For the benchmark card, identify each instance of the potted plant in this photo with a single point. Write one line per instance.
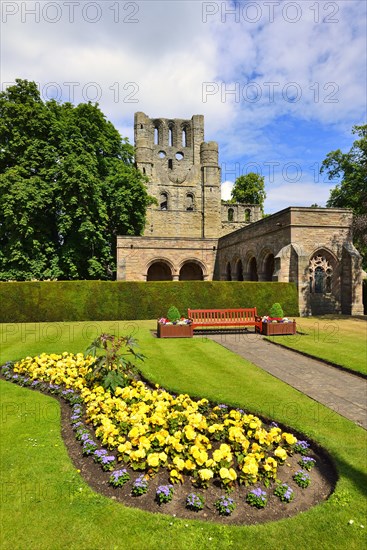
(275, 324)
(174, 325)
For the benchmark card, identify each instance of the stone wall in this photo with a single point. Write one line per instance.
(286, 242)
(184, 176)
(136, 255)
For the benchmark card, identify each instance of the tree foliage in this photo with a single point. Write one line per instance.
(249, 189)
(351, 192)
(68, 187)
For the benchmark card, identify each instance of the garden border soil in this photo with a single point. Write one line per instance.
(323, 481)
(323, 477)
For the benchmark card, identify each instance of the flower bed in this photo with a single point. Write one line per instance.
(149, 431)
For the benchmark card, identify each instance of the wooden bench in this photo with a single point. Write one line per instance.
(224, 317)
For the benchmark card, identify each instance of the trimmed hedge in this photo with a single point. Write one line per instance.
(112, 300)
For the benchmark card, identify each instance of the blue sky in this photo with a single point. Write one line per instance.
(280, 83)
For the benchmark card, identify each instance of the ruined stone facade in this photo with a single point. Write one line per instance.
(191, 234)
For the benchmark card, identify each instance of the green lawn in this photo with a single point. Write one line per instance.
(46, 505)
(342, 341)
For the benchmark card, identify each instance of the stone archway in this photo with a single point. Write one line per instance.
(228, 272)
(269, 267)
(239, 271)
(253, 269)
(191, 271)
(159, 271)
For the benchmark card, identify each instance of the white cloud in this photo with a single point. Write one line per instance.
(295, 194)
(160, 65)
(226, 190)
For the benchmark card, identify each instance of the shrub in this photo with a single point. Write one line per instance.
(276, 310)
(110, 300)
(173, 314)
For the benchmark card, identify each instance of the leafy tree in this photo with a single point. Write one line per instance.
(249, 189)
(351, 192)
(68, 187)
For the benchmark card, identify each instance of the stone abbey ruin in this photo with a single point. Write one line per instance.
(191, 234)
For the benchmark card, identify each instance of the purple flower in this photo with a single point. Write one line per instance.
(119, 478)
(140, 486)
(164, 493)
(194, 502)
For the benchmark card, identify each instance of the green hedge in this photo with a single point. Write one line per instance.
(102, 300)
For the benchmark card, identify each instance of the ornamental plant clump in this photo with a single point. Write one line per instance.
(118, 478)
(195, 502)
(302, 479)
(276, 311)
(173, 315)
(112, 366)
(89, 446)
(164, 494)
(257, 498)
(108, 463)
(140, 486)
(225, 505)
(302, 447)
(307, 462)
(284, 492)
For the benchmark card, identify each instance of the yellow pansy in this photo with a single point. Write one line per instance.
(280, 453)
(205, 474)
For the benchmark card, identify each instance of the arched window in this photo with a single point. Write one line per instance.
(163, 201)
(320, 274)
(170, 136)
(230, 214)
(247, 215)
(184, 138)
(189, 201)
(170, 164)
(156, 135)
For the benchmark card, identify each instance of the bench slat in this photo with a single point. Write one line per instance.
(224, 317)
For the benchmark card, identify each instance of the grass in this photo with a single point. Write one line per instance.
(342, 341)
(45, 503)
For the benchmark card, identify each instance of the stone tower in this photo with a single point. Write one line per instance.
(184, 176)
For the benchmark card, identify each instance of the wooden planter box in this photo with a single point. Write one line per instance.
(174, 331)
(278, 329)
